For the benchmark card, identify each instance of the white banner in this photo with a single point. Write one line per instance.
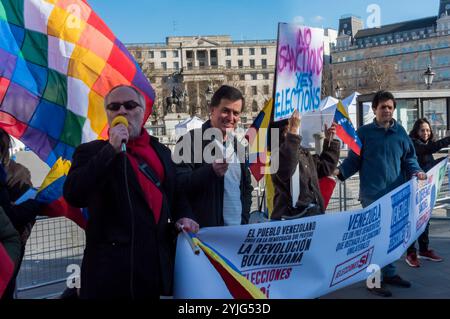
(299, 70)
(309, 257)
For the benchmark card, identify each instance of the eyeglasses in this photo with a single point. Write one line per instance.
(129, 105)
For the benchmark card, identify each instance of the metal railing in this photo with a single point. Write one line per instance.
(54, 244)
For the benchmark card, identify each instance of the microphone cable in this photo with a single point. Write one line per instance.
(130, 205)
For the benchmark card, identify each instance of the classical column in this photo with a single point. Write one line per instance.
(198, 107)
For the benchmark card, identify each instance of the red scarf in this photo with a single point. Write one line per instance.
(139, 150)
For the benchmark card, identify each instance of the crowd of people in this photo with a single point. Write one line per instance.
(139, 196)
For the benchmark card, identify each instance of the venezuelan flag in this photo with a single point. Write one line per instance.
(345, 130)
(259, 151)
(239, 286)
(257, 136)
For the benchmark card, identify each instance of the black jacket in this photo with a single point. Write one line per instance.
(204, 188)
(312, 168)
(424, 151)
(22, 214)
(9, 237)
(97, 181)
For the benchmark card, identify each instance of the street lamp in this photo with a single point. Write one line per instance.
(429, 77)
(338, 91)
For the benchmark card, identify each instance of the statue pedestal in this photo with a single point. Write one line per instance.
(319, 139)
(171, 120)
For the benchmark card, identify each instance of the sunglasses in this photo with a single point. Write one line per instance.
(129, 105)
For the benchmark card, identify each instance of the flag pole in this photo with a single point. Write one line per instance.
(194, 246)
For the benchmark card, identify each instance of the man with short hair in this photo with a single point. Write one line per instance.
(219, 190)
(387, 160)
(131, 199)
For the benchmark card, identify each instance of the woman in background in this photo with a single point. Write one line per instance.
(425, 145)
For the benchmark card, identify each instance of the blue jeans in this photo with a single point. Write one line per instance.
(388, 270)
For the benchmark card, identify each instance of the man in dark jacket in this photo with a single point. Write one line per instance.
(219, 188)
(387, 161)
(311, 168)
(131, 199)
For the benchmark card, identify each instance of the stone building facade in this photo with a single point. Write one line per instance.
(393, 56)
(187, 67)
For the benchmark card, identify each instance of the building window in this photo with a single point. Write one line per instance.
(263, 51)
(228, 63)
(240, 64)
(163, 54)
(255, 106)
(254, 76)
(164, 65)
(264, 63)
(138, 54)
(190, 65)
(176, 65)
(252, 63)
(189, 54)
(242, 77)
(240, 51)
(254, 90)
(151, 54)
(201, 54)
(252, 51)
(228, 52)
(151, 66)
(266, 89)
(175, 53)
(407, 112)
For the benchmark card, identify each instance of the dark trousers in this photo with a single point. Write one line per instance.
(423, 242)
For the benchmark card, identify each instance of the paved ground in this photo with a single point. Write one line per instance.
(430, 281)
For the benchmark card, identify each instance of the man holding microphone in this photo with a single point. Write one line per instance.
(128, 185)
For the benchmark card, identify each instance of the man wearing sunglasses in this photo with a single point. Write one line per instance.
(131, 199)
